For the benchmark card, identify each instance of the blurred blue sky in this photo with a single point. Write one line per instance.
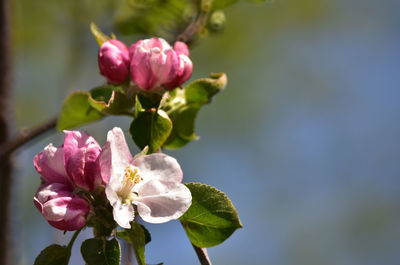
(304, 140)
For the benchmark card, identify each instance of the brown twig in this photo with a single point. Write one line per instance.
(202, 254)
(200, 20)
(26, 136)
(5, 162)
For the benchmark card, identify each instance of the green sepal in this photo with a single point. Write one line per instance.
(98, 34)
(183, 105)
(101, 252)
(150, 128)
(144, 152)
(53, 255)
(101, 215)
(110, 99)
(211, 218)
(77, 111)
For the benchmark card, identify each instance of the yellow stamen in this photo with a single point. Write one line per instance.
(131, 178)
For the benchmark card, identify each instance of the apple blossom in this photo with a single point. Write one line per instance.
(75, 163)
(113, 61)
(60, 207)
(155, 63)
(151, 182)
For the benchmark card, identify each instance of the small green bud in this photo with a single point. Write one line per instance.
(217, 21)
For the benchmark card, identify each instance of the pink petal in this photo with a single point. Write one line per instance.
(140, 70)
(123, 50)
(114, 61)
(80, 156)
(50, 164)
(152, 62)
(115, 157)
(159, 166)
(155, 42)
(160, 64)
(66, 213)
(183, 73)
(70, 225)
(50, 191)
(181, 48)
(160, 201)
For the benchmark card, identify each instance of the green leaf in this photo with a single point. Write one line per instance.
(110, 99)
(183, 105)
(101, 252)
(125, 235)
(174, 141)
(136, 236)
(98, 34)
(77, 111)
(211, 218)
(183, 122)
(53, 255)
(201, 91)
(151, 127)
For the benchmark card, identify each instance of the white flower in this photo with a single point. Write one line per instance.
(151, 182)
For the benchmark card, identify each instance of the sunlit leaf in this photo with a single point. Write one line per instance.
(184, 104)
(150, 128)
(110, 99)
(77, 111)
(211, 218)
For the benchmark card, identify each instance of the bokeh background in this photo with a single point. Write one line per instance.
(304, 140)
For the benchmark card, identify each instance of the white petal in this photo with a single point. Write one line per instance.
(160, 201)
(115, 157)
(159, 166)
(111, 194)
(123, 214)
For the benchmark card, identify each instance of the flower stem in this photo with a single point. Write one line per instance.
(202, 255)
(71, 242)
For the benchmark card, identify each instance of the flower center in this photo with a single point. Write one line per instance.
(131, 178)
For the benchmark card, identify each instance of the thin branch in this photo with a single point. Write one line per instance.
(5, 162)
(202, 254)
(26, 136)
(189, 34)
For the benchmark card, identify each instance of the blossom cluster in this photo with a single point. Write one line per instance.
(151, 64)
(149, 184)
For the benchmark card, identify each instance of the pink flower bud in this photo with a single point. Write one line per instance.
(60, 207)
(75, 163)
(80, 159)
(183, 73)
(154, 63)
(181, 48)
(114, 61)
